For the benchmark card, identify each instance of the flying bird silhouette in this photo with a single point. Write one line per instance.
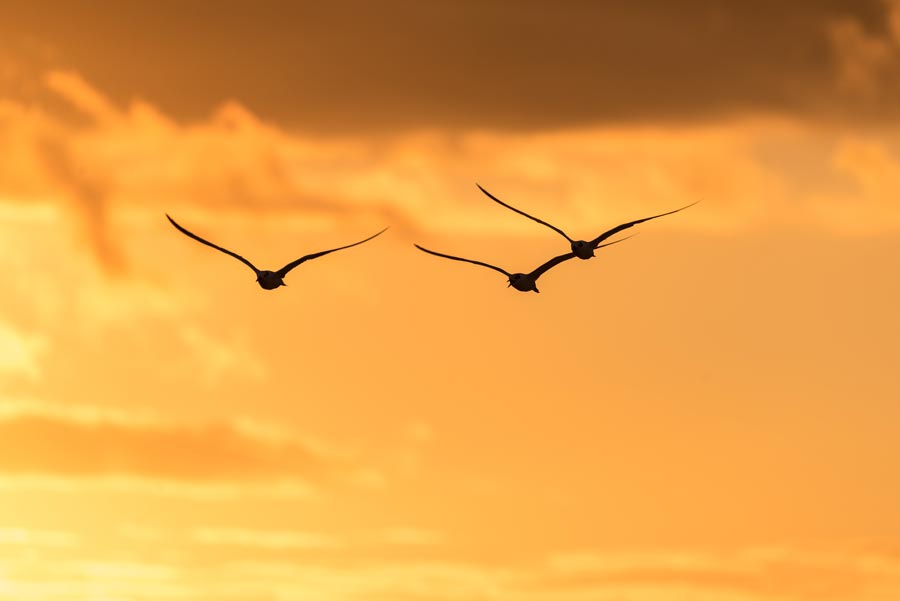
(267, 280)
(583, 249)
(524, 282)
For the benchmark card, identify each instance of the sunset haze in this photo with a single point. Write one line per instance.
(709, 411)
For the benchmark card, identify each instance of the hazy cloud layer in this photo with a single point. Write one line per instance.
(352, 65)
(778, 574)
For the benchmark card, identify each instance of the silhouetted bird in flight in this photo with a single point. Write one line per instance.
(268, 280)
(524, 282)
(583, 249)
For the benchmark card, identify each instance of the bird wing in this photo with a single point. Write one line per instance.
(498, 201)
(488, 265)
(551, 263)
(625, 226)
(616, 241)
(208, 243)
(284, 270)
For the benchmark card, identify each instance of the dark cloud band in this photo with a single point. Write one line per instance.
(354, 65)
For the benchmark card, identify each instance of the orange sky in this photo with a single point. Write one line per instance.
(706, 412)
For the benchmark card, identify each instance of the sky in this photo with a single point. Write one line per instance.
(706, 412)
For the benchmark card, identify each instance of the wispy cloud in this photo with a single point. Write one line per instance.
(37, 538)
(265, 539)
(19, 351)
(753, 574)
(763, 574)
(219, 357)
(406, 536)
(43, 444)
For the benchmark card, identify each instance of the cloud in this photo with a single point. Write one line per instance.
(219, 357)
(752, 574)
(264, 539)
(37, 538)
(353, 66)
(404, 536)
(872, 166)
(831, 573)
(40, 443)
(135, 163)
(19, 351)
(89, 194)
(744, 575)
(868, 61)
(72, 87)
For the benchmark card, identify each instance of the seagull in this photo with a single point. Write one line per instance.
(523, 282)
(583, 249)
(267, 280)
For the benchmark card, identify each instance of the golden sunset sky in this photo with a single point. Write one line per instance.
(707, 412)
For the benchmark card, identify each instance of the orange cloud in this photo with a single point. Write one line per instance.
(263, 539)
(867, 62)
(748, 575)
(19, 351)
(75, 443)
(830, 573)
(138, 161)
(36, 538)
(751, 574)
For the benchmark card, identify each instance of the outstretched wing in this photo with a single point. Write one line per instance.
(488, 265)
(208, 243)
(284, 270)
(523, 213)
(551, 263)
(625, 226)
(617, 241)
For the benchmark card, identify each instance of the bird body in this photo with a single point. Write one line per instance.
(267, 280)
(523, 282)
(583, 249)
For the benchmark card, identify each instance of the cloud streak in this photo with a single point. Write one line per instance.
(40, 442)
(262, 539)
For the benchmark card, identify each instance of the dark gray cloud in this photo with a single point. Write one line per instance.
(354, 65)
